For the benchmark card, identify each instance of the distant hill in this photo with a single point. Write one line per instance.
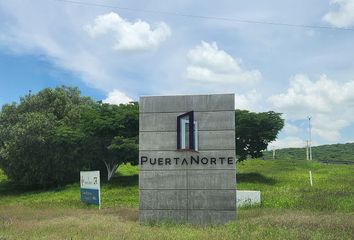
(333, 152)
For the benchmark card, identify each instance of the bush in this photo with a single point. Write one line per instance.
(40, 139)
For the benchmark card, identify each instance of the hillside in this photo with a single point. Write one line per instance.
(334, 152)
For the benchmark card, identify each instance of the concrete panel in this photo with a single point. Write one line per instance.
(212, 200)
(214, 102)
(217, 179)
(210, 217)
(214, 162)
(224, 120)
(162, 180)
(208, 140)
(163, 199)
(217, 140)
(157, 141)
(176, 216)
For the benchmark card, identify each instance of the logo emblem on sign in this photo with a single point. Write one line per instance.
(187, 132)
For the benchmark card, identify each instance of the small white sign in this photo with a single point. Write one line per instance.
(247, 198)
(90, 187)
(90, 179)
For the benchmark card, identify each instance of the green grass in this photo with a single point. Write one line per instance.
(3, 177)
(127, 170)
(290, 209)
(286, 185)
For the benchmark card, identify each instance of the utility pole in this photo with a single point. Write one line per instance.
(307, 149)
(273, 152)
(310, 140)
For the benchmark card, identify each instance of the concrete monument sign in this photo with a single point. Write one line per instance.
(187, 158)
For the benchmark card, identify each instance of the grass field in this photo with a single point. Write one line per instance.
(290, 209)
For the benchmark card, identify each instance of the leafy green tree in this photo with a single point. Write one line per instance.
(111, 136)
(40, 139)
(124, 150)
(254, 131)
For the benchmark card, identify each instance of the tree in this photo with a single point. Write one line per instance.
(124, 150)
(40, 139)
(111, 136)
(254, 131)
(49, 137)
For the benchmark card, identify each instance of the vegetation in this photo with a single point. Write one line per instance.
(325, 153)
(111, 136)
(254, 131)
(290, 209)
(285, 184)
(47, 138)
(39, 138)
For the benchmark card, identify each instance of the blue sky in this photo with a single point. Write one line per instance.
(116, 55)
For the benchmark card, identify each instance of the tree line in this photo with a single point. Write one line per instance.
(48, 138)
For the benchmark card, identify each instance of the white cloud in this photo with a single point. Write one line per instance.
(128, 36)
(75, 57)
(287, 142)
(306, 96)
(290, 129)
(117, 97)
(343, 16)
(329, 103)
(249, 101)
(60, 36)
(209, 64)
(328, 126)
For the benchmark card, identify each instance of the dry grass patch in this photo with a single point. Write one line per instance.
(121, 223)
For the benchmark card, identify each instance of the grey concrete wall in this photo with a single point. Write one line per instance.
(194, 193)
(208, 140)
(167, 121)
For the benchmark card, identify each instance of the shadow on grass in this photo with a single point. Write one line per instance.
(254, 177)
(9, 188)
(124, 181)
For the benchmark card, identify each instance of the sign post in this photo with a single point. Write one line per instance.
(90, 187)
